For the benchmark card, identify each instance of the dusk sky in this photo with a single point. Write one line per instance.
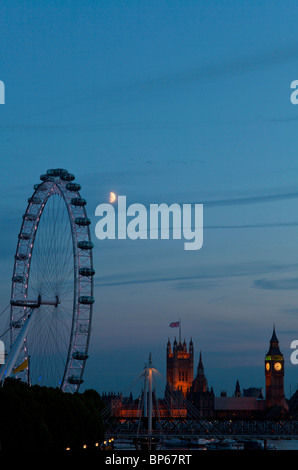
(174, 102)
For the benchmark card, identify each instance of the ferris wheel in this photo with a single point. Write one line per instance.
(52, 286)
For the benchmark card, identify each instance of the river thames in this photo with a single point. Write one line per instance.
(271, 444)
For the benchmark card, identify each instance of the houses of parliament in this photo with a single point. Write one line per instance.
(190, 383)
(247, 403)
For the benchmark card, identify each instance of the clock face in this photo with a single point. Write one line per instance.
(277, 366)
(267, 366)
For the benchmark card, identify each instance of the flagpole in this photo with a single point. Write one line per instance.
(179, 331)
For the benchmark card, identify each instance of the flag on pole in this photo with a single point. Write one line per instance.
(21, 367)
(175, 324)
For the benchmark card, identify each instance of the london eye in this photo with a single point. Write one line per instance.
(52, 287)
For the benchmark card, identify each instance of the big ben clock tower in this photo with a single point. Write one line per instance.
(274, 374)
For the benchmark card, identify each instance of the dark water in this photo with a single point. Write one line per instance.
(282, 444)
(272, 444)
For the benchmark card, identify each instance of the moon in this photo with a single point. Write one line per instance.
(113, 197)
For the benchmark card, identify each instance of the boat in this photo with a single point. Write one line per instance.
(147, 443)
(224, 444)
(123, 444)
(250, 444)
(199, 443)
(175, 443)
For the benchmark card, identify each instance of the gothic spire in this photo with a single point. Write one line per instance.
(274, 345)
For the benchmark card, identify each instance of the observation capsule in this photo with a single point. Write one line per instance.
(82, 221)
(73, 187)
(56, 171)
(19, 279)
(74, 380)
(21, 256)
(34, 200)
(30, 217)
(86, 271)
(85, 245)
(86, 299)
(80, 356)
(24, 236)
(45, 177)
(78, 201)
(67, 176)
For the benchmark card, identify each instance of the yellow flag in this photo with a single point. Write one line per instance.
(21, 367)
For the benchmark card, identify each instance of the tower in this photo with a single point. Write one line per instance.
(199, 394)
(237, 392)
(180, 366)
(274, 374)
(200, 382)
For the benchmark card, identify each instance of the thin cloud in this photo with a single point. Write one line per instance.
(292, 311)
(199, 285)
(252, 226)
(115, 94)
(229, 68)
(104, 127)
(258, 199)
(35, 127)
(251, 199)
(285, 119)
(215, 273)
(276, 284)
